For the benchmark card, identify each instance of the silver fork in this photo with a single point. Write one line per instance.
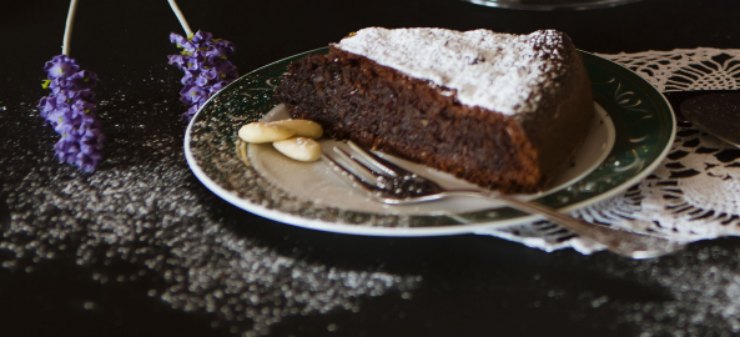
(394, 185)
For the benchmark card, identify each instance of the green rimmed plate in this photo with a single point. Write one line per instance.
(632, 134)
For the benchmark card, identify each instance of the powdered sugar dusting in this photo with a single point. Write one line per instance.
(144, 210)
(501, 72)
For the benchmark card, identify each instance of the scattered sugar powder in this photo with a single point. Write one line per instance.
(704, 286)
(142, 208)
(689, 294)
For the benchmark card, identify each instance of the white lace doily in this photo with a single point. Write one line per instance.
(694, 194)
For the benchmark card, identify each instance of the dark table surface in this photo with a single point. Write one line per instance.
(141, 248)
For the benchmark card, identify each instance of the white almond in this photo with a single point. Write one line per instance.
(299, 148)
(259, 132)
(301, 127)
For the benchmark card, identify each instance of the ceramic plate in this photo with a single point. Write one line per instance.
(632, 132)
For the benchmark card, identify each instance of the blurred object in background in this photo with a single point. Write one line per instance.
(547, 5)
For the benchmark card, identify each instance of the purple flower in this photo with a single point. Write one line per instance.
(70, 110)
(205, 65)
(193, 94)
(60, 67)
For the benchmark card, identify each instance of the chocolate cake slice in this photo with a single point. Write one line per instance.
(499, 110)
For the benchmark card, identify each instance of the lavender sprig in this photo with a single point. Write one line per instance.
(70, 109)
(205, 63)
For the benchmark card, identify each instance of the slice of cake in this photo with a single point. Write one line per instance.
(499, 110)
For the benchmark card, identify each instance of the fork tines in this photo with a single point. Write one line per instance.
(388, 168)
(348, 163)
(363, 167)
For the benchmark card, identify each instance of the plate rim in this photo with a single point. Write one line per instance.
(295, 220)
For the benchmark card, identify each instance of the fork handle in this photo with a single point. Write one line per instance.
(623, 242)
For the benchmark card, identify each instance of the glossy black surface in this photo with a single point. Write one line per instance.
(470, 285)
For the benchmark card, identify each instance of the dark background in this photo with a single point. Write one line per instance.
(473, 286)
(119, 38)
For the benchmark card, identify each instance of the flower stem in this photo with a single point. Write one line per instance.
(68, 27)
(181, 18)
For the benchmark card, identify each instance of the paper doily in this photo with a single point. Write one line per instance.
(694, 194)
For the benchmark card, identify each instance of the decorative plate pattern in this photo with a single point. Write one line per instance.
(642, 119)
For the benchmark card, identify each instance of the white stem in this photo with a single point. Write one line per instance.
(181, 18)
(68, 27)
